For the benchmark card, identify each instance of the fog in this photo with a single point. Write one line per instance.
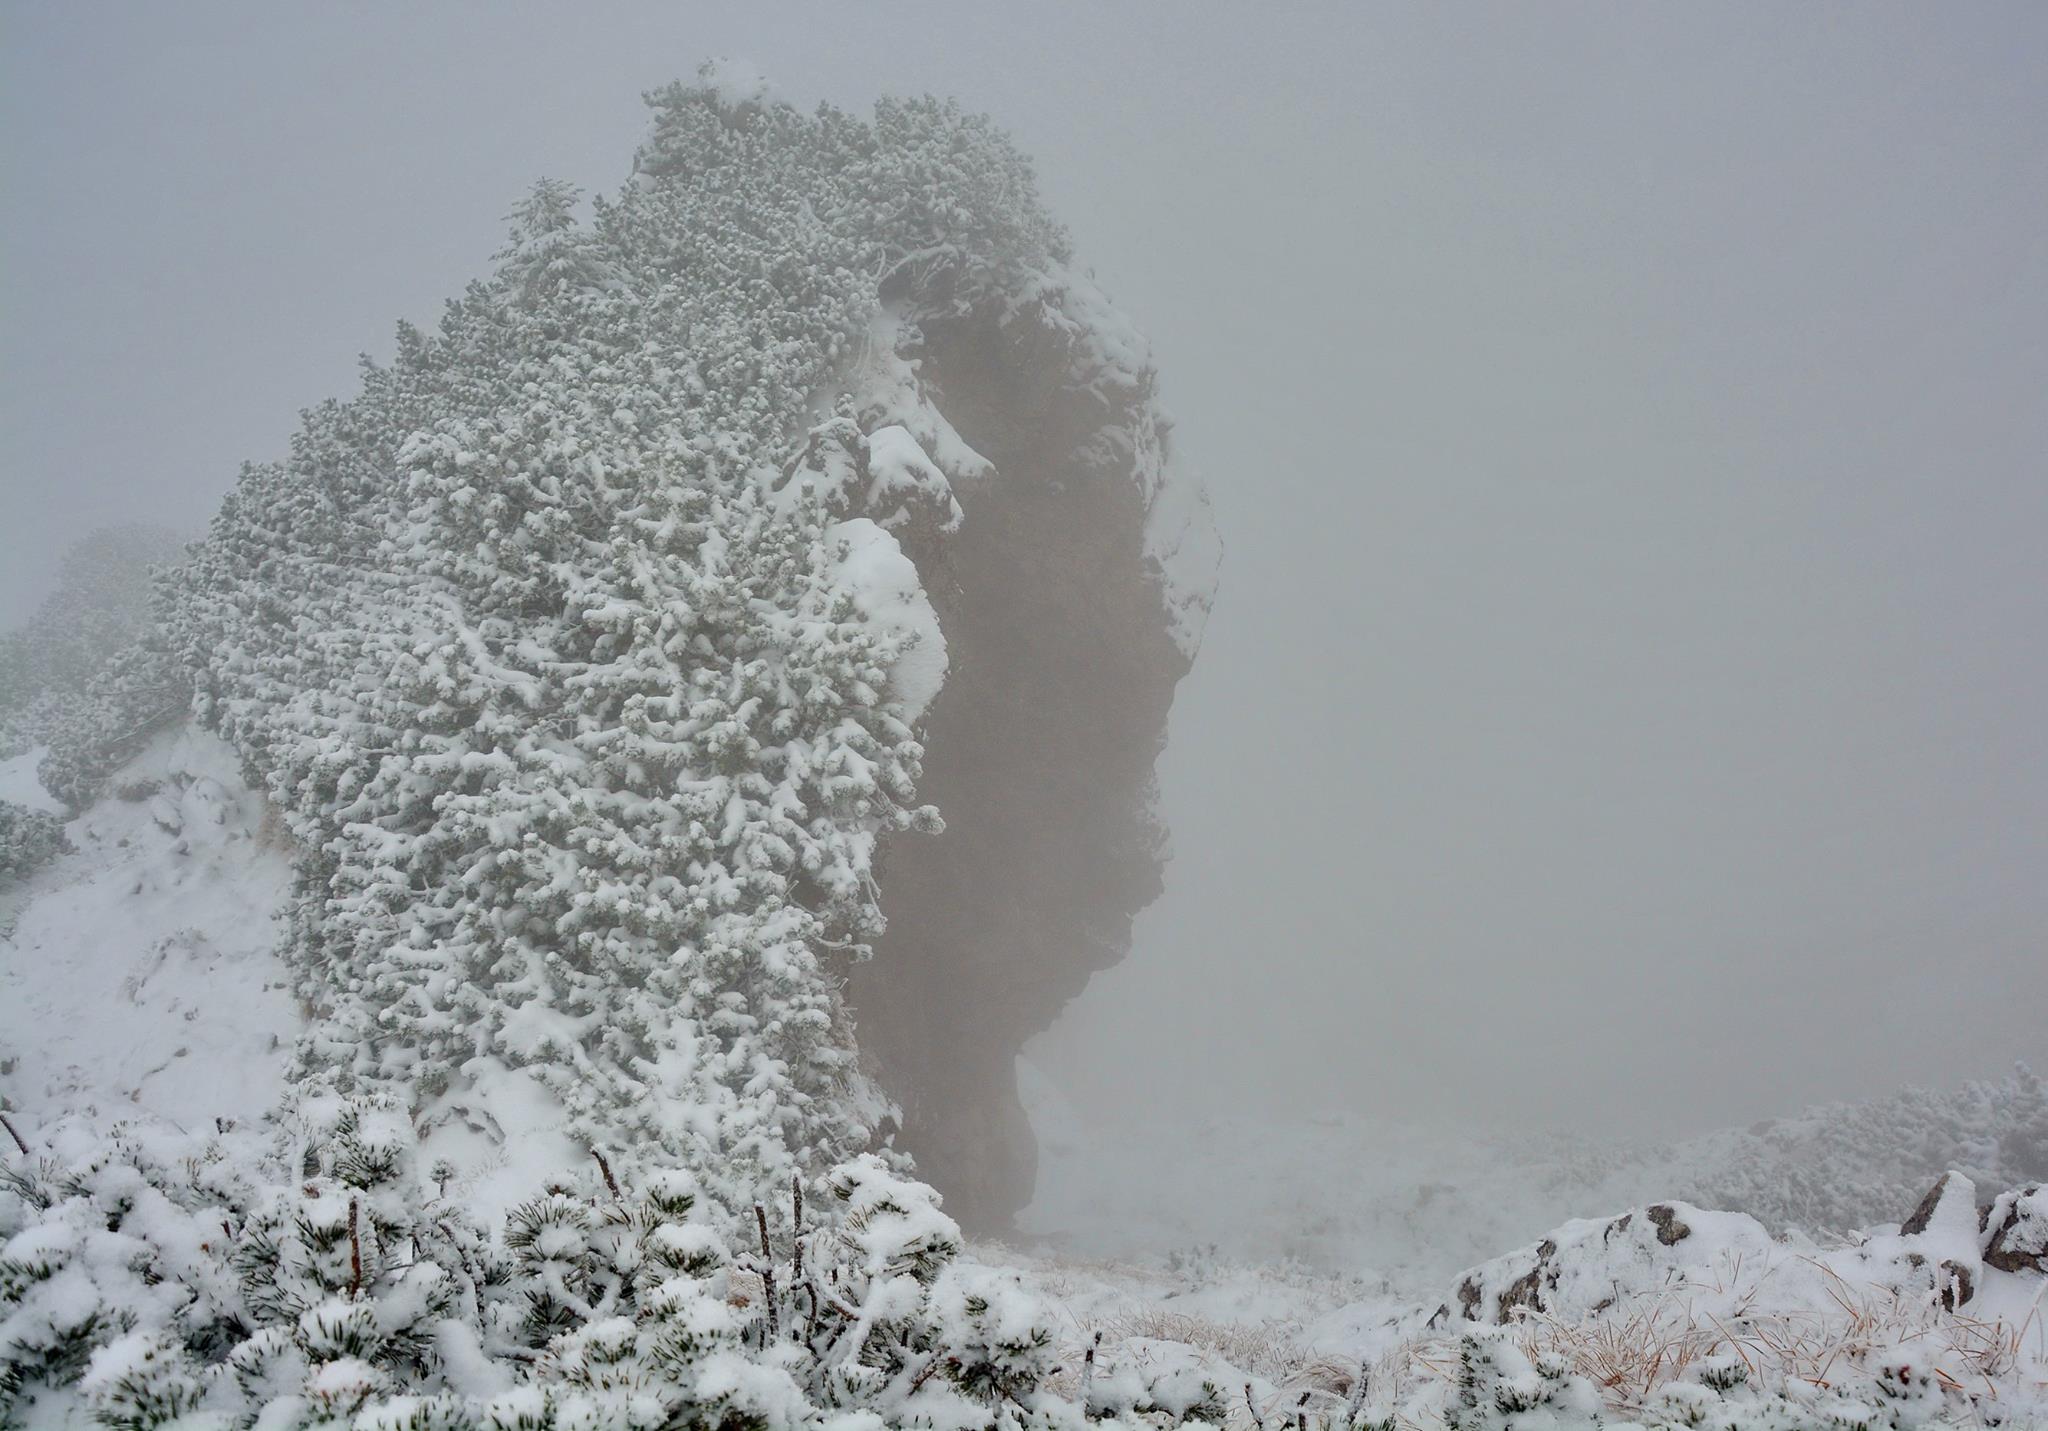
(1624, 706)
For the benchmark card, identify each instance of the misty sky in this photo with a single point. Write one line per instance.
(1626, 703)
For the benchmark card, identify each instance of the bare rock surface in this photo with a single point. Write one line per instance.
(1070, 596)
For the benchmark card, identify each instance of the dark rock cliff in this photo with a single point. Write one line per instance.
(1069, 597)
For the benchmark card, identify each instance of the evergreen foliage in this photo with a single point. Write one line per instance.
(87, 676)
(191, 1280)
(185, 1282)
(555, 670)
(29, 839)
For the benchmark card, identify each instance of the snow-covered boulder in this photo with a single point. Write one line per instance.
(2015, 1230)
(1942, 1233)
(1586, 1266)
(1589, 1268)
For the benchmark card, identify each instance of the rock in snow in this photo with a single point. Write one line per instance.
(2016, 1231)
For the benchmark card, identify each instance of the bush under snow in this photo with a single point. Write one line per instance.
(172, 1277)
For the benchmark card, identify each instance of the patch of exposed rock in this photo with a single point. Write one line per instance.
(1071, 595)
(2015, 1229)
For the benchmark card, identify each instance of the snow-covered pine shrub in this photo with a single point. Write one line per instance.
(167, 1278)
(2022, 1112)
(1500, 1387)
(125, 1236)
(1168, 1381)
(19, 686)
(140, 1381)
(29, 839)
(81, 676)
(136, 692)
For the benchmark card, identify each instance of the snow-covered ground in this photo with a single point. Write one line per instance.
(1398, 1204)
(1639, 1315)
(1291, 1255)
(140, 973)
(1269, 1261)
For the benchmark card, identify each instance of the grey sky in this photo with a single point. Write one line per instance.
(1626, 702)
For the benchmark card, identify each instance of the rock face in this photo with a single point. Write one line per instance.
(1071, 597)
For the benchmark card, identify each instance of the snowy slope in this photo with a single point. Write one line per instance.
(1666, 1316)
(140, 978)
(139, 974)
(1399, 1203)
(19, 786)
(1411, 1204)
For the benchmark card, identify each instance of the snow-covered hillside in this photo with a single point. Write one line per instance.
(1663, 1316)
(1299, 1262)
(1407, 1204)
(141, 972)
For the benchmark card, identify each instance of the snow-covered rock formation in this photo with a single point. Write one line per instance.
(613, 660)
(567, 691)
(572, 703)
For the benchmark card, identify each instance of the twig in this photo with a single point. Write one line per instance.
(768, 1275)
(606, 1168)
(355, 1250)
(1354, 1408)
(14, 1135)
(796, 1236)
(1253, 1407)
